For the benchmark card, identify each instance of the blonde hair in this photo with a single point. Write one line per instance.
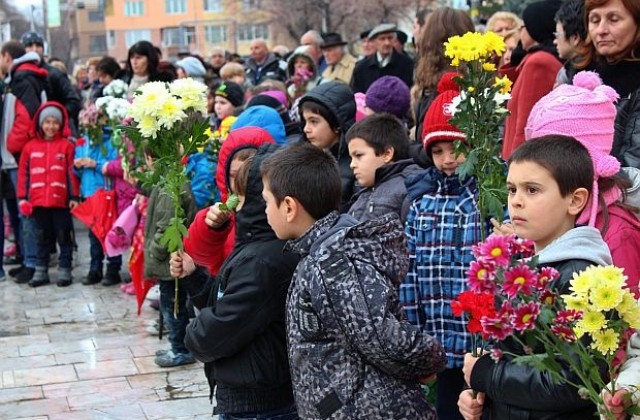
(231, 69)
(515, 21)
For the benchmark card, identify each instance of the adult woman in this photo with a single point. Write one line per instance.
(142, 65)
(441, 24)
(503, 22)
(612, 49)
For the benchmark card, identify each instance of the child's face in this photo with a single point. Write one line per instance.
(275, 214)
(223, 107)
(444, 157)
(537, 209)
(234, 167)
(50, 127)
(318, 130)
(104, 78)
(301, 64)
(364, 161)
(211, 103)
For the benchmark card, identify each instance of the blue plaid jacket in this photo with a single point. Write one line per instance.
(442, 225)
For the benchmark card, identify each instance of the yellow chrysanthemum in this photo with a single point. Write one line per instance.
(632, 316)
(592, 321)
(504, 83)
(579, 303)
(606, 296)
(494, 43)
(582, 282)
(628, 302)
(489, 67)
(170, 113)
(148, 126)
(612, 275)
(606, 342)
(578, 331)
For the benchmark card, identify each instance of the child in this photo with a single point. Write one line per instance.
(327, 112)
(233, 72)
(240, 331)
(350, 353)
(388, 94)
(156, 266)
(228, 97)
(549, 182)
(302, 72)
(379, 150)
(627, 381)
(442, 225)
(47, 189)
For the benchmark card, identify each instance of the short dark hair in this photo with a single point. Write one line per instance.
(14, 48)
(571, 16)
(317, 108)
(381, 131)
(306, 173)
(108, 65)
(564, 157)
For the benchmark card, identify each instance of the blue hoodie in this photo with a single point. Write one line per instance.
(264, 117)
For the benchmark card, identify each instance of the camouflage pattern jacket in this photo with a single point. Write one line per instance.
(351, 354)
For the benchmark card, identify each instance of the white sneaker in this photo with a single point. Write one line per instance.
(154, 293)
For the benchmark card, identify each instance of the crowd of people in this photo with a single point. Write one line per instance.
(326, 293)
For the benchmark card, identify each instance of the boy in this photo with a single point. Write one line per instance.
(442, 225)
(379, 150)
(350, 354)
(550, 180)
(228, 97)
(47, 190)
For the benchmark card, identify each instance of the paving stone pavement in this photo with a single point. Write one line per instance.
(81, 352)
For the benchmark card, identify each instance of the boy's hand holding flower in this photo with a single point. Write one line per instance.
(471, 405)
(181, 264)
(216, 217)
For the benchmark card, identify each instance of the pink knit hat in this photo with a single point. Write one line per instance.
(586, 111)
(361, 100)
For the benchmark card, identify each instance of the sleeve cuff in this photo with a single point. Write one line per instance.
(482, 373)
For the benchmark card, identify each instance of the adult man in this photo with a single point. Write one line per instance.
(314, 41)
(366, 46)
(60, 89)
(384, 62)
(218, 59)
(27, 87)
(340, 64)
(264, 65)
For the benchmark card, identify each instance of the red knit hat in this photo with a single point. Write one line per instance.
(436, 126)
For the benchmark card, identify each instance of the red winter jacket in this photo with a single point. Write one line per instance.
(210, 247)
(45, 171)
(536, 77)
(622, 237)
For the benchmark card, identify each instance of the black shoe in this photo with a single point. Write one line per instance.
(14, 271)
(111, 277)
(38, 283)
(25, 275)
(13, 260)
(92, 278)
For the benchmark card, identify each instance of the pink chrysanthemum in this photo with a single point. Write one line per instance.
(523, 247)
(564, 317)
(526, 315)
(506, 309)
(498, 328)
(518, 279)
(564, 333)
(494, 249)
(481, 277)
(547, 297)
(546, 275)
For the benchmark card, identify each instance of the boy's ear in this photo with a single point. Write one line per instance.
(579, 200)
(291, 208)
(388, 154)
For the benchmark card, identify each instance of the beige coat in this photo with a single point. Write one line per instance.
(341, 71)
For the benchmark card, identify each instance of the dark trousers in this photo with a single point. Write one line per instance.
(449, 386)
(177, 326)
(97, 256)
(283, 413)
(51, 225)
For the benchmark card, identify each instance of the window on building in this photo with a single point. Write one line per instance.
(175, 6)
(250, 4)
(248, 32)
(96, 16)
(213, 5)
(111, 39)
(135, 35)
(134, 8)
(215, 34)
(97, 44)
(181, 36)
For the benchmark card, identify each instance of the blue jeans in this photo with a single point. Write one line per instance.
(53, 224)
(283, 413)
(177, 326)
(97, 256)
(27, 240)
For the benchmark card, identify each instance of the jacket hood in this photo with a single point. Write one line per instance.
(404, 167)
(264, 117)
(580, 243)
(379, 242)
(432, 180)
(242, 138)
(31, 61)
(251, 219)
(338, 98)
(302, 51)
(66, 132)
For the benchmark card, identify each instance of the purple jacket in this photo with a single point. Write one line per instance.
(125, 192)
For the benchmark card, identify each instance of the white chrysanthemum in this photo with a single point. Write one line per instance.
(454, 106)
(148, 126)
(501, 98)
(118, 108)
(150, 100)
(192, 94)
(117, 89)
(103, 102)
(170, 113)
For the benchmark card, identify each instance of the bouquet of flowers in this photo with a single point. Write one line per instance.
(583, 329)
(116, 89)
(479, 111)
(168, 121)
(107, 111)
(92, 120)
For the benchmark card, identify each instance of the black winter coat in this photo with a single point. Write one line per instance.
(368, 70)
(338, 98)
(273, 68)
(60, 90)
(240, 332)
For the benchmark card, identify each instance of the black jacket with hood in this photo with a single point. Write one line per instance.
(240, 332)
(339, 100)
